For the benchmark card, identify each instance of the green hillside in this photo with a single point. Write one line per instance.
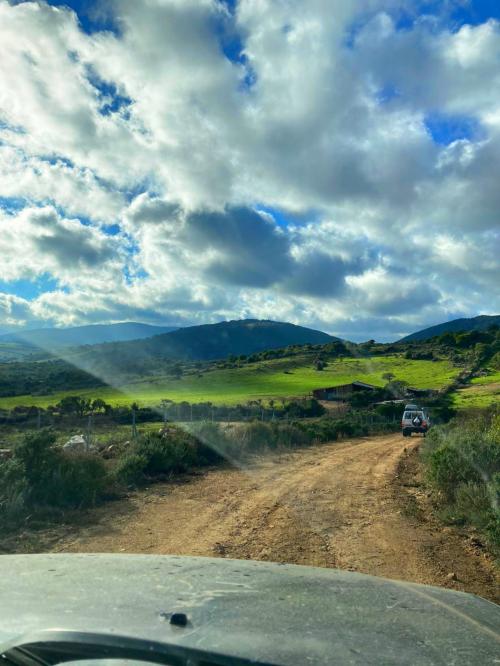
(480, 323)
(273, 379)
(483, 392)
(25, 342)
(202, 343)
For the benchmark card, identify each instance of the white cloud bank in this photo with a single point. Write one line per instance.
(324, 114)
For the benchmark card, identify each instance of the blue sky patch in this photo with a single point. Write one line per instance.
(284, 218)
(475, 12)
(93, 15)
(12, 204)
(387, 93)
(29, 289)
(445, 129)
(111, 229)
(109, 97)
(452, 15)
(232, 45)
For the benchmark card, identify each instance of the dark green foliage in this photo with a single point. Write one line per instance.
(258, 436)
(213, 443)
(43, 377)
(168, 454)
(73, 404)
(41, 475)
(130, 468)
(159, 455)
(463, 466)
(448, 468)
(482, 322)
(309, 407)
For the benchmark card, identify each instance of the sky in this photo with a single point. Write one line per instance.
(325, 162)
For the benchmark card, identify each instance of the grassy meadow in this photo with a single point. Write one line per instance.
(273, 379)
(483, 392)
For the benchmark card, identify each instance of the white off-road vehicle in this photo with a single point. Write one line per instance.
(415, 419)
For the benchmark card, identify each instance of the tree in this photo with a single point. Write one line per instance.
(388, 376)
(98, 405)
(74, 404)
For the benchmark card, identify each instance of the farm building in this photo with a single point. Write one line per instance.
(419, 393)
(341, 392)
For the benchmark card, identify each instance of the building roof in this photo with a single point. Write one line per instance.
(341, 386)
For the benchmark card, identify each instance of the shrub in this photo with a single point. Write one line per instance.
(213, 443)
(130, 468)
(165, 455)
(258, 436)
(290, 436)
(463, 465)
(448, 468)
(41, 475)
(77, 481)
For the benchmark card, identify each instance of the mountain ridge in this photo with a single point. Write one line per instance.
(90, 334)
(479, 323)
(204, 342)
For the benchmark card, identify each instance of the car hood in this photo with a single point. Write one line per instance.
(282, 614)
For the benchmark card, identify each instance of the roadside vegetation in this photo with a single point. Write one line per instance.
(462, 462)
(40, 480)
(274, 379)
(274, 374)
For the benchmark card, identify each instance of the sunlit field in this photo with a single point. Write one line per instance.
(483, 392)
(275, 379)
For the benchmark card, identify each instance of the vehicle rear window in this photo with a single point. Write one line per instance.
(411, 415)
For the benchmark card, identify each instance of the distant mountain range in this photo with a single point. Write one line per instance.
(55, 338)
(479, 323)
(214, 341)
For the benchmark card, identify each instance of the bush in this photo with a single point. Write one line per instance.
(130, 468)
(213, 444)
(169, 454)
(290, 436)
(158, 455)
(448, 468)
(258, 436)
(77, 481)
(463, 465)
(41, 475)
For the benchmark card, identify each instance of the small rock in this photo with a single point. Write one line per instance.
(77, 444)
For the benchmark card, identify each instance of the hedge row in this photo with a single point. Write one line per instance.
(463, 466)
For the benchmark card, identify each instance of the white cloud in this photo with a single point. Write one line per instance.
(38, 241)
(393, 220)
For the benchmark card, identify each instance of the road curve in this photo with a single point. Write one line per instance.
(335, 505)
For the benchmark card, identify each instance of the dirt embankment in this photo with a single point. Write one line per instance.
(356, 505)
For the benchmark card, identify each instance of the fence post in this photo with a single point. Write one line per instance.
(134, 427)
(88, 436)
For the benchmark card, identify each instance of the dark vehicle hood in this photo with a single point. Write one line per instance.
(283, 614)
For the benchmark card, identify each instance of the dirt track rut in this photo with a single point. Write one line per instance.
(337, 505)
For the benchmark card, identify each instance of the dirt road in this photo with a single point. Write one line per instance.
(352, 505)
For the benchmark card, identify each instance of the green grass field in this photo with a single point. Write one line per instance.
(483, 392)
(492, 378)
(274, 379)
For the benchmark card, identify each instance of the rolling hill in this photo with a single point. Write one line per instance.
(55, 338)
(281, 378)
(473, 324)
(199, 343)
